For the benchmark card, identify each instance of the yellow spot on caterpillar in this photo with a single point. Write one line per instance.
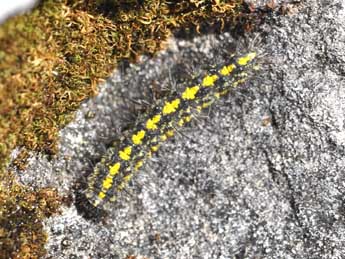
(146, 139)
(190, 92)
(206, 104)
(96, 203)
(137, 138)
(101, 195)
(125, 154)
(121, 186)
(138, 165)
(209, 80)
(246, 59)
(107, 183)
(235, 84)
(169, 133)
(113, 170)
(226, 70)
(154, 148)
(170, 107)
(126, 179)
(151, 124)
(187, 118)
(224, 92)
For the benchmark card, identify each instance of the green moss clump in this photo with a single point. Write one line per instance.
(21, 214)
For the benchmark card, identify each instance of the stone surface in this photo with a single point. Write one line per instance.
(261, 176)
(9, 8)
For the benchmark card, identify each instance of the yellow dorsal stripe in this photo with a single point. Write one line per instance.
(113, 170)
(226, 70)
(101, 195)
(170, 107)
(190, 92)
(137, 138)
(125, 154)
(209, 80)
(151, 124)
(107, 182)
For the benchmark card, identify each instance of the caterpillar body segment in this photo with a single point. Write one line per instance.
(112, 174)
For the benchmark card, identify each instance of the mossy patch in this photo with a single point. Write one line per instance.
(21, 214)
(51, 60)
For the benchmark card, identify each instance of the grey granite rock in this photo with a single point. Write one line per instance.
(262, 176)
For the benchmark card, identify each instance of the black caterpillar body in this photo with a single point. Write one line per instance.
(112, 174)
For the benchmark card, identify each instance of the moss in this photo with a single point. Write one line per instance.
(50, 61)
(21, 214)
(53, 58)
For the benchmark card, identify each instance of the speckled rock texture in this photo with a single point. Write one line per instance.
(261, 175)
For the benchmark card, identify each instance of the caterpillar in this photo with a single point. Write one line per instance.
(117, 167)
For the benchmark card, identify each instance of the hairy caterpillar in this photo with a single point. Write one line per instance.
(111, 175)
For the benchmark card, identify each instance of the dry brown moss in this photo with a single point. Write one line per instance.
(53, 58)
(21, 214)
(50, 61)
